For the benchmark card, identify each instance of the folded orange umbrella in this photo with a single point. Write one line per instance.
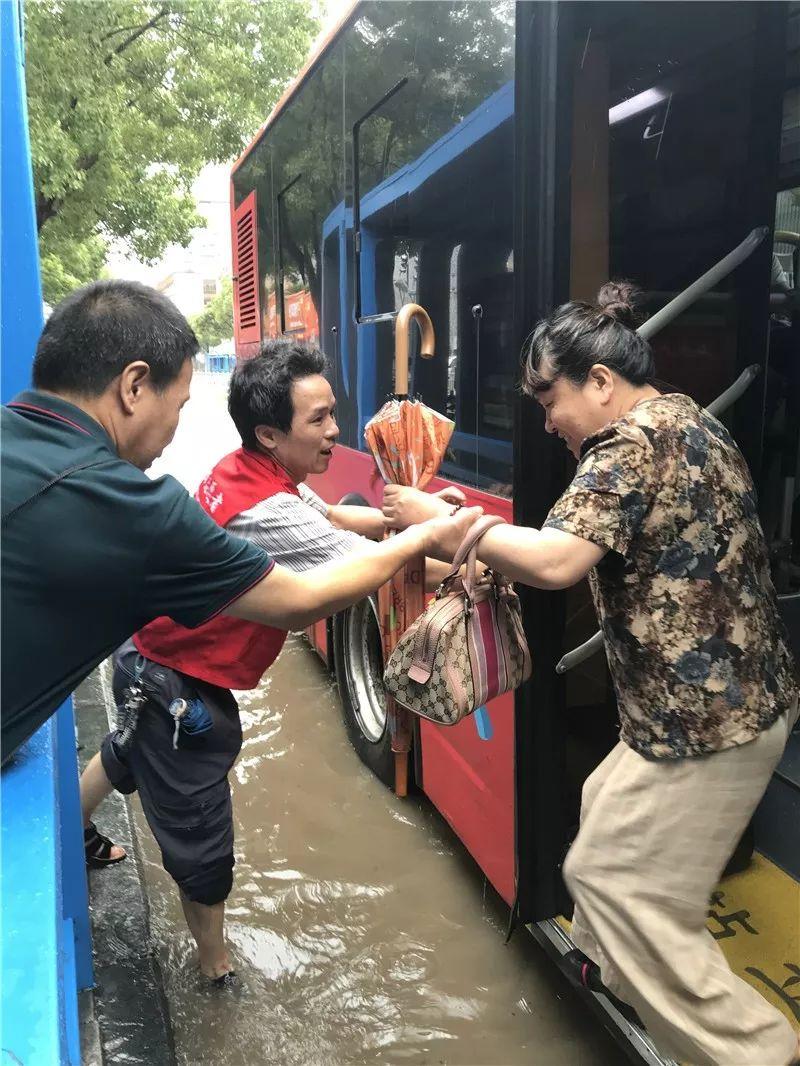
(408, 441)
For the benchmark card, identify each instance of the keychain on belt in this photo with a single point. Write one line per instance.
(190, 715)
(128, 714)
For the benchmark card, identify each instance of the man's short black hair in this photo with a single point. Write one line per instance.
(93, 334)
(260, 391)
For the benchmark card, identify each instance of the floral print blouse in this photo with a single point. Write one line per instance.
(697, 650)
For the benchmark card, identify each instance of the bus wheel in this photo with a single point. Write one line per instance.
(358, 655)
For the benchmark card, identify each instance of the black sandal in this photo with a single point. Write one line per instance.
(98, 848)
(582, 973)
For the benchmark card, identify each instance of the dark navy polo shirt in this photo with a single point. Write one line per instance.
(93, 558)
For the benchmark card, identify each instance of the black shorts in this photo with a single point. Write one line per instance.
(184, 791)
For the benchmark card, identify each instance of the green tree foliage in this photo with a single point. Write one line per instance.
(453, 55)
(215, 322)
(128, 99)
(69, 262)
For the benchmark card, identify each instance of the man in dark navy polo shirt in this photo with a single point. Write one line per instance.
(93, 549)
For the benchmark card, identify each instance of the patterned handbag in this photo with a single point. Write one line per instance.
(468, 645)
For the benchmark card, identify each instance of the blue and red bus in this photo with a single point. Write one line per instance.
(489, 161)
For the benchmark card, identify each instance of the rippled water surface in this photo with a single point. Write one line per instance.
(362, 930)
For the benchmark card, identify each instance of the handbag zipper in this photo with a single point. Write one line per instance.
(428, 637)
(424, 636)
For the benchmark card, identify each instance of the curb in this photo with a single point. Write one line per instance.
(126, 1016)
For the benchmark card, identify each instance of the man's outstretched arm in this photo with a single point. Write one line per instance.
(367, 521)
(289, 600)
(370, 521)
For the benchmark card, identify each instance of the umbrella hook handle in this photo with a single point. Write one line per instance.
(402, 330)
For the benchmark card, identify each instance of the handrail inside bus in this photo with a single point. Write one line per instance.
(729, 397)
(707, 281)
(357, 191)
(723, 401)
(279, 242)
(371, 320)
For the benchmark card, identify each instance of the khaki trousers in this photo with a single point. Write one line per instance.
(654, 839)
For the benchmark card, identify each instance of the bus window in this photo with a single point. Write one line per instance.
(482, 365)
(298, 172)
(453, 57)
(447, 126)
(299, 282)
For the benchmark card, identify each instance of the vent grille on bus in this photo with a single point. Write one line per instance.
(248, 327)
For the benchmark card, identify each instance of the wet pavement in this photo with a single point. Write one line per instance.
(362, 930)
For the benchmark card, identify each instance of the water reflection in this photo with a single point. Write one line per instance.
(360, 929)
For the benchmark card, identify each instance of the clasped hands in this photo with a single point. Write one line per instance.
(404, 506)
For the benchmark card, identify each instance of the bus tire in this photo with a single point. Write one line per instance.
(358, 656)
(358, 662)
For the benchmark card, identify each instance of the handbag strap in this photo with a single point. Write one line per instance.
(470, 541)
(468, 550)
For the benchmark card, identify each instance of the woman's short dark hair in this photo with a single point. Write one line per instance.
(260, 390)
(577, 335)
(93, 334)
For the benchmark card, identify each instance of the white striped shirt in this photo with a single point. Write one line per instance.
(296, 532)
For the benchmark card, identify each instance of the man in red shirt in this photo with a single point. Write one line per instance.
(283, 407)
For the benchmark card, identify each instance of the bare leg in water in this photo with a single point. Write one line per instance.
(207, 923)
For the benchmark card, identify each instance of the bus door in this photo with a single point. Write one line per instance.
(777, 820)
(674, 133)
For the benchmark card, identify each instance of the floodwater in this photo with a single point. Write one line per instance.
(362, 930)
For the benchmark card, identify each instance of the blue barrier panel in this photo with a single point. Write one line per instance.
(33, 1027)
(220, 364)
(45, 955)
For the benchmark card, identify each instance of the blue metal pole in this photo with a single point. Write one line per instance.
(46, 951)
(21, 297)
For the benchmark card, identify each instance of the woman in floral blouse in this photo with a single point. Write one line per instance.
(661, 516)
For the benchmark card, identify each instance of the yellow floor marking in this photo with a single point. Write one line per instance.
(755, 918)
